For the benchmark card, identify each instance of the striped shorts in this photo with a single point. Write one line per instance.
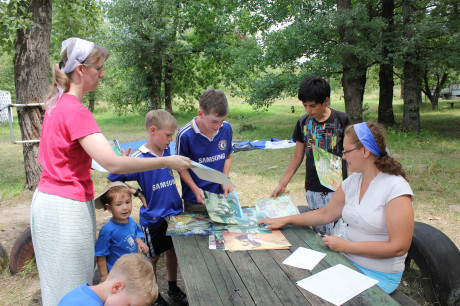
(63, 235)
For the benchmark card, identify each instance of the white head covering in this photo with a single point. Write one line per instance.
(77, 51)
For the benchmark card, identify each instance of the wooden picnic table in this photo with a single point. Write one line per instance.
(216, 277)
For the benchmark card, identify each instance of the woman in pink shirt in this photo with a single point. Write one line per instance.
(62, 212)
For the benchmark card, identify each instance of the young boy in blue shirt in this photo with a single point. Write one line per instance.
(207, 139)
(131, 281)
(121, 235)
(162, 197)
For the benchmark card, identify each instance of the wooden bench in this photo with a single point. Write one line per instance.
(452, 103)
(214, 277)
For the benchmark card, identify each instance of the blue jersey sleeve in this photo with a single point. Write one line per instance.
(123, 177)
(182, 146)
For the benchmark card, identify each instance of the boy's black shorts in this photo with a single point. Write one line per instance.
(156, 239)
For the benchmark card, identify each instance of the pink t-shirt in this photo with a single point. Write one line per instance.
(66, 165)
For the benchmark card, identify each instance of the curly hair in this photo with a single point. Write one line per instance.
(384, 162)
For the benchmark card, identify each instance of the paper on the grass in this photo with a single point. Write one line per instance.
(209, 174)
(337, 284)
(304, 258)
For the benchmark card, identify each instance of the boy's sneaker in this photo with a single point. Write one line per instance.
(178, 296)
(160, 301)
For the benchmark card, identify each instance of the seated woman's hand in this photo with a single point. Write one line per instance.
(272, 223)
(336, 244)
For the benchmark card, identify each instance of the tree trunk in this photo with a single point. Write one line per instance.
(434, 97)
(402, 89)
(31, 75)
(412, 71)
(168, 83)
(386, 81)
(155, 97)
(92, 100)
(354, 71)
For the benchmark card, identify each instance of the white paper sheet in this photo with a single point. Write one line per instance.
(209, 174)
(337, 284)
(304, 258)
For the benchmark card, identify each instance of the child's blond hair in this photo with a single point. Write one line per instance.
(136, 271)
(160, 118)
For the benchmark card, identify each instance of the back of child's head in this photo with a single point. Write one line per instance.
(314, 89)
(214, 101)
(160, 118)
(113, 192)
(136, 271)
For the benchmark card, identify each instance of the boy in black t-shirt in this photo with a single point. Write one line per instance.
(323, 127)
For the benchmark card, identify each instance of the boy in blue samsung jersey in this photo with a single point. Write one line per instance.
(162, 198)
(207, 139)
(121, 235)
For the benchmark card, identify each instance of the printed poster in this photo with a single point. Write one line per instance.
(329, 168)
(223, 209)
(255, 241)
(189, 224)
(281, 206)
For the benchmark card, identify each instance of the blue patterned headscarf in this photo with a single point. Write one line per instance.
(366, 138)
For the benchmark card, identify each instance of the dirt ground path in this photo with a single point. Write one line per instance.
(24, 288)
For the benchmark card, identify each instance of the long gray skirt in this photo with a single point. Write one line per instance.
(64, 235)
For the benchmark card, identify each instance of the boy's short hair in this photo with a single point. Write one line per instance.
(214, 101)
(160, 118)
(314, 89)
(109, 192)
(136, 271)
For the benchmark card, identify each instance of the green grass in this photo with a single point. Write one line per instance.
(430, 157)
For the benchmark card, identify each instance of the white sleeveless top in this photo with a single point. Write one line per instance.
(366, 221)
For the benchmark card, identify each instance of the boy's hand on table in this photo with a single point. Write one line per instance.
(278, 190)
(199, 195)
(227, 190)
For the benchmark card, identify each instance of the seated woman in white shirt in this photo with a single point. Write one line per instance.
(375, 202)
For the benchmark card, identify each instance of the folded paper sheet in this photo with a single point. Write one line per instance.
(304, 258)
(209, 174)
(337, 284)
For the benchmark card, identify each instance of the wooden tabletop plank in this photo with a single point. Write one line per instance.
(255, 282)
(228, 283)
(296, 274)
(372, 296)
(197, 278)
(215, 277)
(288, 292)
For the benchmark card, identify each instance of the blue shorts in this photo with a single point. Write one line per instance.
(156, 239)
(389, 282)
(317, 200)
